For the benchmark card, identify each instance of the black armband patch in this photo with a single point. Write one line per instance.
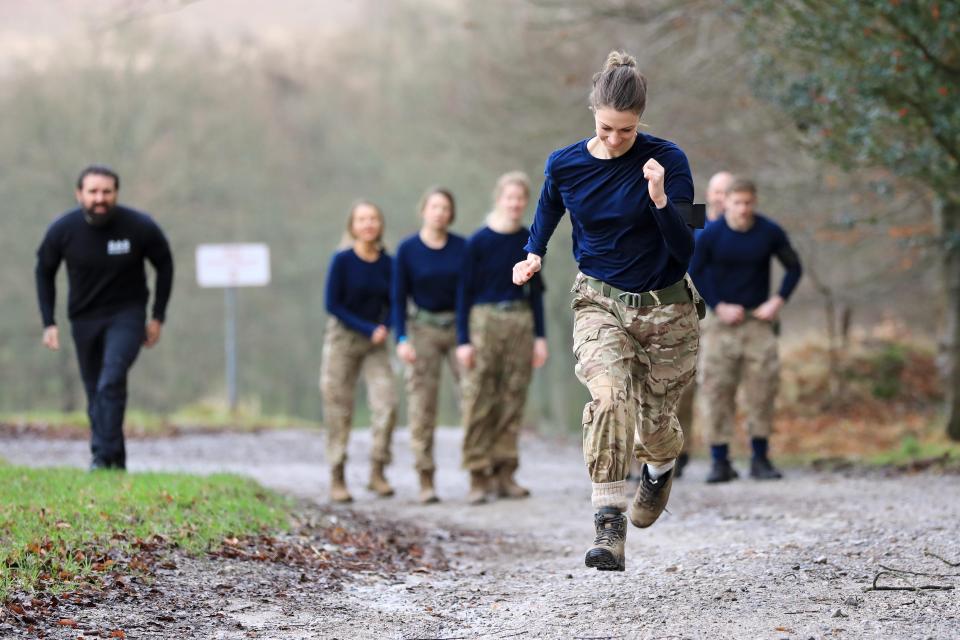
(695, 215)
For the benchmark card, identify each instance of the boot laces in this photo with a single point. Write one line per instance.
(611, 533)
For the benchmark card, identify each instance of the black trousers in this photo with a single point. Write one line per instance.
(107, 347)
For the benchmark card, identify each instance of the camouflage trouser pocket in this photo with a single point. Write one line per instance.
(587, 418)
(581, 339)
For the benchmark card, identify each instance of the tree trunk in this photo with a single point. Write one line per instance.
(948, 219)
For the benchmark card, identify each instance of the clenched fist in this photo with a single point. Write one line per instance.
(653, 173)
(523, 271)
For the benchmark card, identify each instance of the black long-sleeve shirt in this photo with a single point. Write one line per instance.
(105, 264)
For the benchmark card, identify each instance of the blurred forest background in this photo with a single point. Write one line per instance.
(239, 120)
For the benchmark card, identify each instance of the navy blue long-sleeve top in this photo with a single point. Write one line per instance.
(358, 292)
(105, 264)
(429, 276)
(487, 277)
(736, 264)
(619, 235)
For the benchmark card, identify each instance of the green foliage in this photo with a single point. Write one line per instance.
(913, 449)
(887, 366)
(874, 82)
(54, 523)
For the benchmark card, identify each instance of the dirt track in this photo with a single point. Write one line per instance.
(745, 560)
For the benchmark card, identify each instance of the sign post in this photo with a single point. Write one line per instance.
(229, 266)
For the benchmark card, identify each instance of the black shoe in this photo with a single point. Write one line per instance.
(722, 471)
(607, 552)
(98, 465)
(682, 461)
(762, 469)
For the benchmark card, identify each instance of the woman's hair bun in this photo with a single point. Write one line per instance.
(619, 59)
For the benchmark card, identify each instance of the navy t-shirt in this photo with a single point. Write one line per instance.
(488, 277)
(429, 276)
(358, 292)
(619, 236)
(735, 265)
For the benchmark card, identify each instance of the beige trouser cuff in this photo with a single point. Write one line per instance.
(610, 494)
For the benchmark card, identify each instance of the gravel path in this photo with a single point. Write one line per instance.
(787, 559)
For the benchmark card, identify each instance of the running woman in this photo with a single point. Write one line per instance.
(635, 329)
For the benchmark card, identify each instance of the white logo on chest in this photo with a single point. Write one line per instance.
(118, 247)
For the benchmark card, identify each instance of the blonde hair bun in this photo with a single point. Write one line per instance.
(619, 59)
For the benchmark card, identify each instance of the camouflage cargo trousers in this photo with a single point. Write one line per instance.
(433, 345)
(635, 361)
(686, 414)
(735, 355)
(345, 354)
(494, 392)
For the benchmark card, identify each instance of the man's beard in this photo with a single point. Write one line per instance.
(99, 219)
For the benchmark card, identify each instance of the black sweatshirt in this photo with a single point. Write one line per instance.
(104, 264)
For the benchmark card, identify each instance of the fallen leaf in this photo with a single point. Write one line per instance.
(117, 633)
(67, 622)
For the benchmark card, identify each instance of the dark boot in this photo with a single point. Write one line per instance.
(607, 553)
(763, 469)
(651, 498)
(722, 471)
(682, 461)
(506, 486)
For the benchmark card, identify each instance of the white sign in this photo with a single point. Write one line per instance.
(233, 265)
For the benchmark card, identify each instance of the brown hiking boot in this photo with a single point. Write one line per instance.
(650, 499)
(378, 482)
(478, 486)
(427, 493)
(338, 486)
(506, 486)
(607, 554)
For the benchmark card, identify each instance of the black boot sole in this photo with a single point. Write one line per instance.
(603, 560)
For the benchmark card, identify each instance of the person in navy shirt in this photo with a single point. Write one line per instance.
(635, 322)
(500, 333)
(358, 301)
(734, 255)
(716, 193)
(426, 275)
(105, 245)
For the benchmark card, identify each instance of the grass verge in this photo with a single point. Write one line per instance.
(62, 528)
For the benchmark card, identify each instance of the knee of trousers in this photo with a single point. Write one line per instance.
(662, 445)
(112, 388)
(610, 401)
